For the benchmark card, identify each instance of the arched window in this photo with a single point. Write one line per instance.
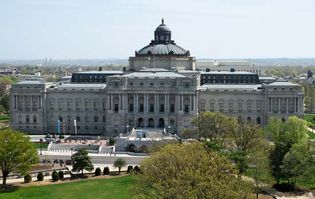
(34, 119)
(27, 119)
(258, 120)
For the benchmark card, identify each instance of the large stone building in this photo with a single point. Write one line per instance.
(163, 92)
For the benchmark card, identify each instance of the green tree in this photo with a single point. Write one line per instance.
(261, 175)
(211, 126)
(17, 153)
(284, 135)
(5, 102)
(189, 171)
(120, 162)
(81, 161)
(297, 161)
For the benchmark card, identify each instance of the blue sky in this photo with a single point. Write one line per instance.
(99, 29)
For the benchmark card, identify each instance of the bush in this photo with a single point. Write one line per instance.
(106, 171)
(27, 178)
(55, 176)
(137, 169)
(129, 169)
(98, 171)
(40, 176)
(60, 175)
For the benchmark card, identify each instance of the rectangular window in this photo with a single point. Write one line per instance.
(249, 107)
(141, 109)
(130, 107)
(86, 105)
(116, 108)
(162, 108)
(172, 108)
(151, 108)
(78, 118)
(202, 107)
(211, 107)
(95, 105)
(221, 107)
(77, 106)
(186, 108)
(231, 107)
(240, 107)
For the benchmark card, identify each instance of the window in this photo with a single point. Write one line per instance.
(230, 107)
(151, 84)
(95, 105)
(202, 107)
(141, 109)
(186, 85)
(27, 119)
(211, 107)
(162, 108)
(78, 118)
(86, 118)
(221, 107)
(86, 105)
(34, 119)
(130, 107)
(77, 105)
(258, 107)
(131, 84)
(240, 107)
(116, 108)
(151, 108)
(249, 107)
(141, 83)
(172, 108)
(186, 108)
(95, 118)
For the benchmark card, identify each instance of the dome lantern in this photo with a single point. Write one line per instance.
(162, 34)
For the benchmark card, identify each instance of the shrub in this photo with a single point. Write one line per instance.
(60, 175)
(40, 176)
(98, 171)
(129, 169)
(55, 176)
(106, 171)
(137, 169)
(27, 178)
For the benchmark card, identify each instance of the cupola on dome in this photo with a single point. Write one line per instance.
(162, 44)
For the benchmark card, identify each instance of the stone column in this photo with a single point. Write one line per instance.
(287, 105)
(279, 100)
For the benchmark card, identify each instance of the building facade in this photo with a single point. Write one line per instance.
(161, 95)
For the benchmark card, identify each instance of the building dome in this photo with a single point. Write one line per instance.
(162, 44)
(163, 49)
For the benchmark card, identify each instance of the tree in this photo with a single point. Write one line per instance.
(245, 138)
(211, 126)
(40, 176)
(17, 153)
(111, 141)
(120, 162)
(297, 161)
(189, 171)
(55, 176)
(81, 161)
(284, 135)
(261, 175)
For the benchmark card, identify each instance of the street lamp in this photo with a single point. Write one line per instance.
(40, 147)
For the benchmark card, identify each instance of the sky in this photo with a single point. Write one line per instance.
(103, 29)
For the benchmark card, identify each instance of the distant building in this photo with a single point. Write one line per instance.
(161, 90)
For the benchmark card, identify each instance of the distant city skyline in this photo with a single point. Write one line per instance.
(95, 29)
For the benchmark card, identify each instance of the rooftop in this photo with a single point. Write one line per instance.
(115, 72)
(229, 72)
(282, 83)
(79, 87)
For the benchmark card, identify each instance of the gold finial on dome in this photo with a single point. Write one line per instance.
(162, 21)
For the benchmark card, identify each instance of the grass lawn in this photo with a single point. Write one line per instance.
(119, 187)
(39, 145)
(4, 117)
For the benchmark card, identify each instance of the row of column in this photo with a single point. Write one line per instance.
(27, 102)
(283, 101)
(179, 102)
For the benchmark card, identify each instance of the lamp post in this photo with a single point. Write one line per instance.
(40, 147)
